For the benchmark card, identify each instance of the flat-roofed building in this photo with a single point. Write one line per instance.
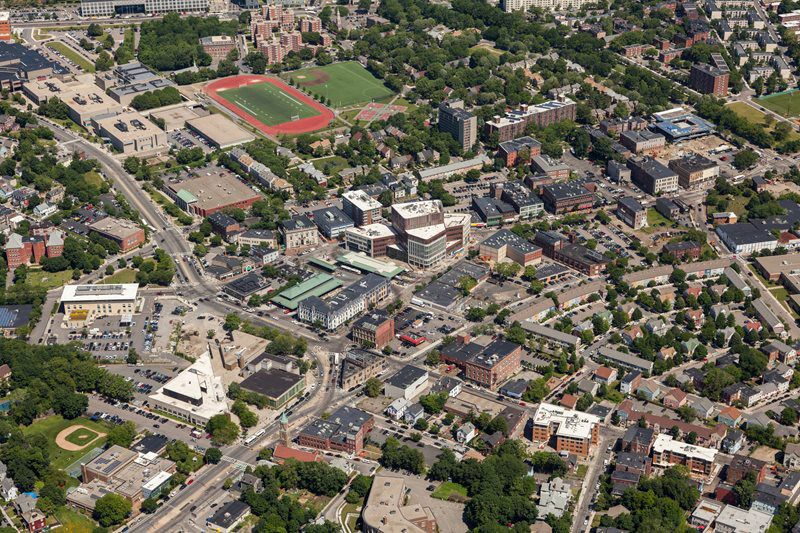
(371, 239)
(358, 366)
(87, 302)
(567, 197)
(638, 141)
(459, 123)
(735, 520)
(494, 364)
(131, 133)
(514, 123)
(110, 8)
(347, 304)
(421, 230)
(522, 148)
(278, 386)
(387, 511)
(774, 266)
(573, 431)
(651, 176)
(697, 459)
(196, 394)
(746, 238)
(5, 26)
(375, 328)
(125, 233)
(361, 207)
(546, 165)
(615, 357)
(211, 191)
(344, 430)
(332, 221)
(551, 336)
(505, 244)
(631, 212)
(219, 131)
(257, 237)
(84, 101)
(218, 46)
(695, 171)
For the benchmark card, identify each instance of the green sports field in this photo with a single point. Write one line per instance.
(267, 103)
(786, 104)
(344, 84)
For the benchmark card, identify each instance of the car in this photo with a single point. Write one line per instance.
(430, 487)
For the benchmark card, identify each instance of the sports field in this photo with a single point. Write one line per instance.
(786, 104)
(268, 103)
(344, 84)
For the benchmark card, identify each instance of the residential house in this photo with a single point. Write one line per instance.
(675, 398)
(730, 416)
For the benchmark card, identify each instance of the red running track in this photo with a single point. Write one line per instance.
(304, 125)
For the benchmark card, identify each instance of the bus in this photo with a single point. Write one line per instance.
(254, 437)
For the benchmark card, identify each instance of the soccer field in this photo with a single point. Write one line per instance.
(786, 104)
(344, 84)
(267, 103)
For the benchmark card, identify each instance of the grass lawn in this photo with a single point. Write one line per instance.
(93, 178)
(490, 49)
(82, 436)
(49, 280)
(582, 469)
(52, 426)
(786, 104)
(755, 116)
(72, 55)
(655, 221)
(74, 522)
(268, 103)
(345, 84)
(331, 165)
(764, 280)
(448, 489)
(125, 275)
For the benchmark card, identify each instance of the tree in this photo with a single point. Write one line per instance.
(149, 506)
(94, 30)
(212, 456)
(744, 489)
(111, 509)
(373, 387)
(433, 358)
(232, 322)
(122, 434)
(104, 61)
(222, 429)
(745, 159)
(133, 357)
(789, 417)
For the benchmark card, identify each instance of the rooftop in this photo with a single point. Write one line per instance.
(665, 442)
(95, 293)
(215, 188)
(570, 423)
(416, 209)
(272, 383)
(220, 130)
(362, 200)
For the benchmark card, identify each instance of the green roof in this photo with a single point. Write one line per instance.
(370, 265)
(186, 196)
(315, 286)
(330, 267)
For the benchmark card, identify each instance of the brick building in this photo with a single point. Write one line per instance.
(344, 431)
(375, 328)
(573, 431)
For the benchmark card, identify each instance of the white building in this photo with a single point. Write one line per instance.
(407, 383)
(86, 302)
(735, 520)
(196, 394)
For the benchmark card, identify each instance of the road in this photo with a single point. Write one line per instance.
(608, 435)
(783, 314)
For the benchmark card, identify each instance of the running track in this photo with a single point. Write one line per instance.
(304, 125)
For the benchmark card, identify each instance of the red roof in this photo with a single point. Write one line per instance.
(282, 453)
(569, 401)
(5, 371)
(604, 372)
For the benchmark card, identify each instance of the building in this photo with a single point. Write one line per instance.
(219, 131)
(582, 259)
(386, 509)
(5, 26)
(32, 249)
(84, 101)
(299, 233)
(774, 267)
(514, 123)
(421, 231)
(520, 149)
(495, 364)
(631, 212)
(547, 5)
(278, 386)
(125, 82)
(545, 165)
(228, 516)
(551, 337)
(638, 141)
(505, 244)
(362, 208)
(131, 133)
(630, 382)
(697, 459)
(84, 303)
(667, 208)
(218, 46)
(573, 431)
(223, 225)
(213, 190)
(651, 176)
(554, 498)
(638, 440)
(567, 197)
(373, 240)
(708, 79)
(695, 171)
(767, 317)
(125, 233)
(624, 360)
(20, 64)
(347, 304)
(521, 198)
(12, 317)
(110, 8)
(375, 329)
(343, 431)
(735, 520)
(745, 238)
(407, 383)
(683, 249)
(742, 465)
(358, 366)
(332, 222)
(459, 123)
(195, 395)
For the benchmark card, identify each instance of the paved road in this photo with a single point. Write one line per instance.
(608, 435)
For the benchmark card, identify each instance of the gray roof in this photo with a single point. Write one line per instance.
(406, 376)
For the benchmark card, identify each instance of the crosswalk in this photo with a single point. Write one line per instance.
(237, 463)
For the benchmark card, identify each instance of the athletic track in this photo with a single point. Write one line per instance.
(304, 125)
